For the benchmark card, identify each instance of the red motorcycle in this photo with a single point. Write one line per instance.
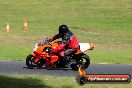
(43, 56)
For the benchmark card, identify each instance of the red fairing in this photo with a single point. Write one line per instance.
(69, 40)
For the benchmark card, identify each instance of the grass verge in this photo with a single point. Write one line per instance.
(35, 81)
(106, 23)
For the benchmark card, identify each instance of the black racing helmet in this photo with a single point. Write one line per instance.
(63, 29)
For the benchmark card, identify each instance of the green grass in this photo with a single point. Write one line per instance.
(26, 81)
(106, 22)
(111, 57)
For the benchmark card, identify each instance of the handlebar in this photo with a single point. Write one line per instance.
(47, 40)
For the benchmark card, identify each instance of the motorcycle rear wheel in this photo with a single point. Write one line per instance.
(84, 62)
(87, 62)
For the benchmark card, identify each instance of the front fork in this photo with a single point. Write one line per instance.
(36, 57)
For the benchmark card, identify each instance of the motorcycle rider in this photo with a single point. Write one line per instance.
(69, 42)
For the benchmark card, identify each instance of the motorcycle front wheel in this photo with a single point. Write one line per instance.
(30, 62)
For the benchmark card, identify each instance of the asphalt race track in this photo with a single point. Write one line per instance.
(19, 67)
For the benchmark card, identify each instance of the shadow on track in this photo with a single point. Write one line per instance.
(47, 68)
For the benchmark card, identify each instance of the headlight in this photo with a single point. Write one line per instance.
(47, 50)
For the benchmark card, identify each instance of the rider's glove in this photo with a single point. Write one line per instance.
(50, 40)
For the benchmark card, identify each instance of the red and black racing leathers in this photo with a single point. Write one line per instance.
(69, 43)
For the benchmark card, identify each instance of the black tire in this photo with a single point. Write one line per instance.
(84, 62)
(29, 61)
(87, 62)
(40, 63)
